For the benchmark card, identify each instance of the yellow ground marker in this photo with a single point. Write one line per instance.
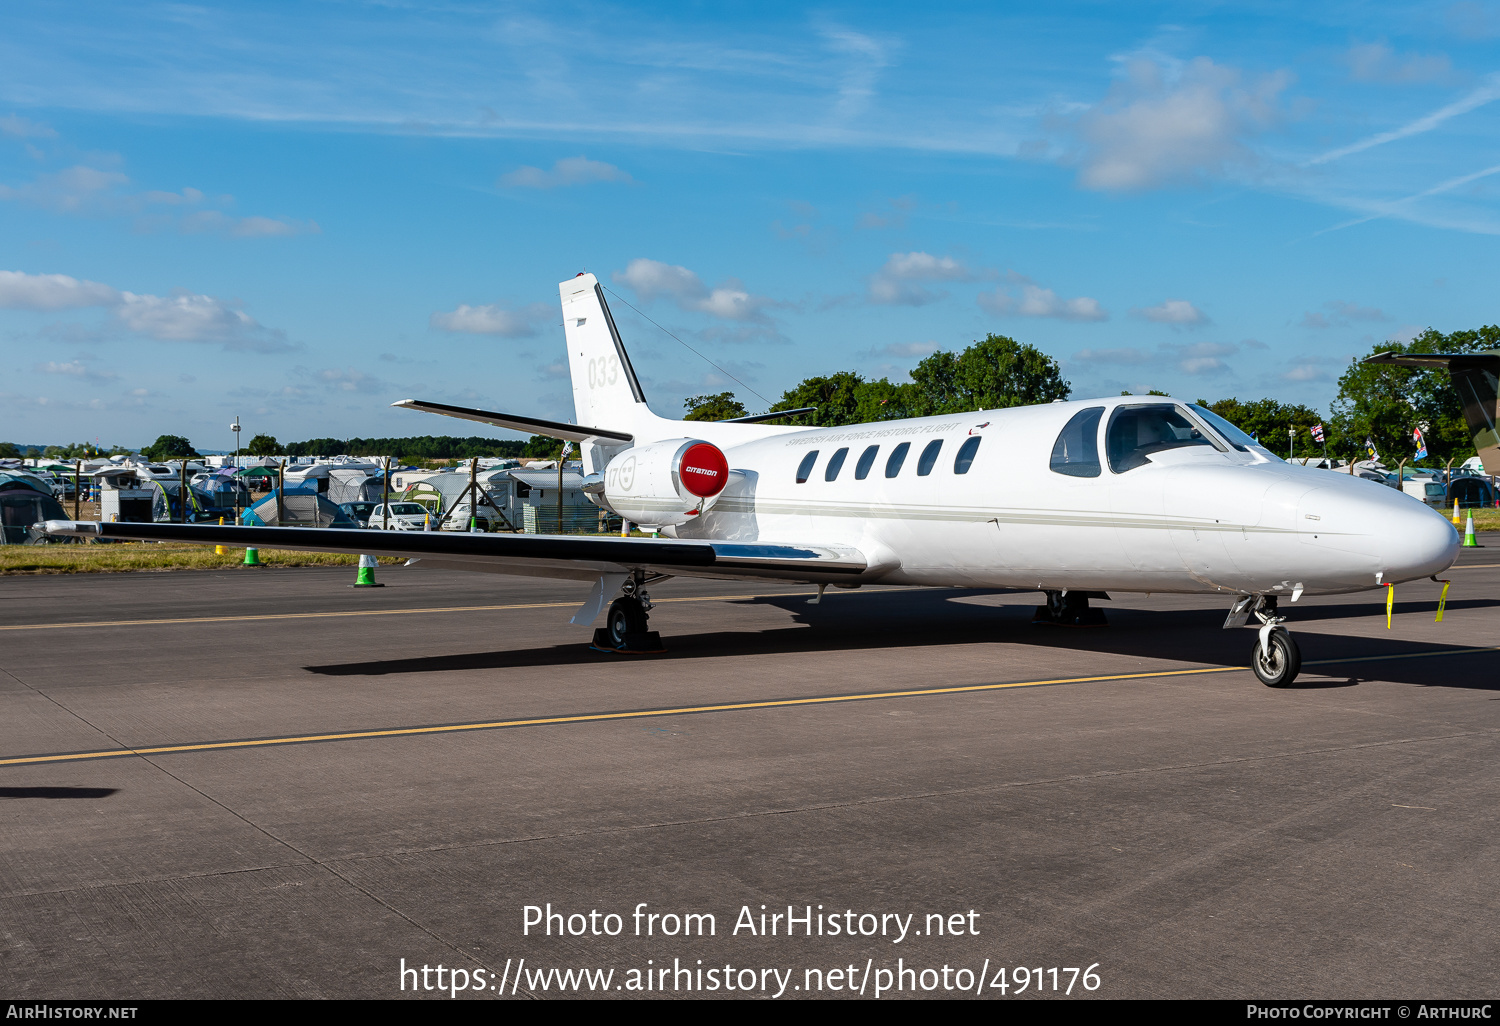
(636, 714)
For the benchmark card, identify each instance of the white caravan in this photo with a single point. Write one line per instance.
(1131, 494)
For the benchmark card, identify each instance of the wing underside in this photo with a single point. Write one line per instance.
(578, 558)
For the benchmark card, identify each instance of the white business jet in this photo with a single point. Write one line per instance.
(1073, 499)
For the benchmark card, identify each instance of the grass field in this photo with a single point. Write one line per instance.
(85, 559)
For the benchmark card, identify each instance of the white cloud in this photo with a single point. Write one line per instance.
(76, 190)
(1486, 92)
(185, 317)
(1173, 311)
(906, 349)
(651, 279)
(351, 380)
(893, 284)
(486, 320)
(1377, 62)
(22, 128)
(255, 227)
(78, 367)
(1199, 359)
(22, 291)
(1036, 301)
(1124, 355)
(1160, 126)
(1341, 315)
(568, 171)
(93, 192)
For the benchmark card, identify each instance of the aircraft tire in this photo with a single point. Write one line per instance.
(627, 617)
(1282, 661)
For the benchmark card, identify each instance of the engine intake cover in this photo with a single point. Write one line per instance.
(665, 483)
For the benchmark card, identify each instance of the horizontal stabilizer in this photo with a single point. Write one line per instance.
(581, 557)
(530, 425)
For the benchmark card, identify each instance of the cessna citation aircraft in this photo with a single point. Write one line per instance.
(1073, 499)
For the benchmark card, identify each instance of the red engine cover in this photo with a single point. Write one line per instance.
(704, 471)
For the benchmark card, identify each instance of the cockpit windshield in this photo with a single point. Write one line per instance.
(1233, 435)
(1135, 432)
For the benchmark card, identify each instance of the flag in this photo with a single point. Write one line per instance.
(1317, 432)
(1370, 448)
(1416, 436)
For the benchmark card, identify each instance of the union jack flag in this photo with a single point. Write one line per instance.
(1317, 432)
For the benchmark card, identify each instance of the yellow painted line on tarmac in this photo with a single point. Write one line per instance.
(636, 714)
(365, 612)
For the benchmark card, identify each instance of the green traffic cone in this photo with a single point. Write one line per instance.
(366, 578)
(252, 558)
(1470, 542)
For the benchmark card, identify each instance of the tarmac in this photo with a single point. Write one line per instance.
(265, 783)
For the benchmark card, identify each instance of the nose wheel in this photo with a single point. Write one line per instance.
(1276, 658)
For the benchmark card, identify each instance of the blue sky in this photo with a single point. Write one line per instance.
(299, 213)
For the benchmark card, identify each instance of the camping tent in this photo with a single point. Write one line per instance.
(298, 509)
(25, 500)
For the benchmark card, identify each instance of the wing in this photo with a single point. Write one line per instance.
(529, 555)
(550, 428)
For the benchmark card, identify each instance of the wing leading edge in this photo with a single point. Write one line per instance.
(511, 422)
(581, 558)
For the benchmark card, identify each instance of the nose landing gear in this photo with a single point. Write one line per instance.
(1276, 660)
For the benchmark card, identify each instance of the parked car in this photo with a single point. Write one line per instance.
(403, 516)
(359, 512)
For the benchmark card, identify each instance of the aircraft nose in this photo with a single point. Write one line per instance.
(1417, 542)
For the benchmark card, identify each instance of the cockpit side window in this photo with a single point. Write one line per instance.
(1135, 432)
(804, 470)
(1076, 451)
(835, 464)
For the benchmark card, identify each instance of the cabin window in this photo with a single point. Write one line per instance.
(1135, 432)
(835, 464)
(522, 489)
(929, 457)
(804, 470)
(965, 457)
(1076, 451)
(897, 457)
(866, 461)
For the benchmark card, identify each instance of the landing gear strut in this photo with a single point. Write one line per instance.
(625, 630)
(1276, 659)
(1071, 609)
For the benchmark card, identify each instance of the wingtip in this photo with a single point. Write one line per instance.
(404, 402)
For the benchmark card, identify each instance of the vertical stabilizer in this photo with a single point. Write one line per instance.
(605, 388)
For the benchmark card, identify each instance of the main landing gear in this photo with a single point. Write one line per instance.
(1071, 609)
(1276, 659)
(625, 631)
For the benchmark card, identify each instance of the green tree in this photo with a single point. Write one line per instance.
(263, 445)
(9, 451)
(1268, 421)
(1384, 403)
(542, 447)
(170, 447)
(994, 374)
(723, 406)
(834, 396)
(883, 400)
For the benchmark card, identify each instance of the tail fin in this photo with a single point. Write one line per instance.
(605, 388)
(1476, 376)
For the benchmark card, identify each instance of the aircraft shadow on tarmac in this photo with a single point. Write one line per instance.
(931, 619)
(57, 792)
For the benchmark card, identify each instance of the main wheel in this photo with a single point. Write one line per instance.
(626, 616)
(1278, 665)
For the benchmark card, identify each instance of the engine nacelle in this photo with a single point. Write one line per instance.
(665, 483)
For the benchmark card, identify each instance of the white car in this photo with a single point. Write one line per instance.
(404, 516)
